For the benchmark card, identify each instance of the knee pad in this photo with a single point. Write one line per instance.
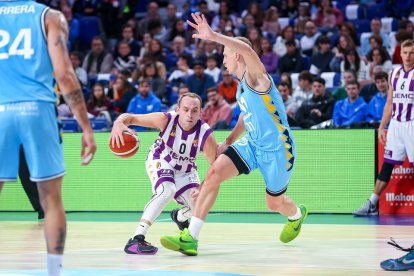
(386, 171)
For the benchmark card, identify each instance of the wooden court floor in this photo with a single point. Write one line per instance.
(236, 248)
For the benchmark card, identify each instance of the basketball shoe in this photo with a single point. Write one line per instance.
(405, 262)
(183, 243)
(368, 209)
(181, 224)
(139, 246)
(292, 227)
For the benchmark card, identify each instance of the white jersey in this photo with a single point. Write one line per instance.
(178, 147)
(403, 94)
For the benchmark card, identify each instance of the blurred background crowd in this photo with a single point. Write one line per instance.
(329, 59)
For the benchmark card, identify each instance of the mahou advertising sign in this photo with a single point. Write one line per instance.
(398, 197)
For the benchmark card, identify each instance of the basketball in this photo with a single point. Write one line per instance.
(130, 147)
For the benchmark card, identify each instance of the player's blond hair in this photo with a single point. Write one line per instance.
(245, 40)
(407, 43)
(191, 95)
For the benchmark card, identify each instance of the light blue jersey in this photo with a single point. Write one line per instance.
(26, 72)
(268, 144)
(265, 118)
(28, 116)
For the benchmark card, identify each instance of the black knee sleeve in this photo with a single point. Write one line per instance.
(386, 171)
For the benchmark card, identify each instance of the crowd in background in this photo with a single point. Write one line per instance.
(329, 60)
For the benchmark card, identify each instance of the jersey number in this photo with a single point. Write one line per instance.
(23, 39)
(182, 148)
(243, 106)
(402, 85)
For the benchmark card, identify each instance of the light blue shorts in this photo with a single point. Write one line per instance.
(275, 166)
(33, 125)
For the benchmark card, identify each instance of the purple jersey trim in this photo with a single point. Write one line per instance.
(400, 109)
(164, 179)
(168, 114)
(171, 137)
(408, 115)
(386, 160)
(185, 188)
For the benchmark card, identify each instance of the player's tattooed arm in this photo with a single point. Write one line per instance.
(74, 98)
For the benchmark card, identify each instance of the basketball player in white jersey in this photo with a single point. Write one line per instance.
(399, 140)
(171, 162)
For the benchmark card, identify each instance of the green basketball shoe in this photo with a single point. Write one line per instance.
(183, 243)
(292, 228)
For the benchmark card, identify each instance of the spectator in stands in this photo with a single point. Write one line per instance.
(269, 58)
(255, 36)
(248, 21)
(303, 17)
(152, 13)
(80, 72)
(348, 76)
(98, 101)
(369, 90)
(256, 11)
(177, 49)
(348, 29)
(350, 111)
(178, 30)
(183, 70)
(171, 17)
(128, 37)
(125, 60)
(144, 102)
(378, 57)
(98, 60)
(286, 78)
(325, 13)
(182, 89)
(217, 113)
(400, 37)
(292, 61)
(199, 82)
(208, 48)
(376, 105)
(203, 9)
(228, 88)
(288, 102)
(146, 40)
(317, 109)
(156, 82)
(344, 44)
(271, 24)
(320, 60)
(85, 8)
(122, 92)
(156, 50)
(353, 61)
(375, 30)
(280, 47)
(289, 9)
(224, 11)
(157, 30)
(146, 59)
(303, 91)
(212, 68)
(308, 41)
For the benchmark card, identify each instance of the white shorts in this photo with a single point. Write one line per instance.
(400, 142)
(160, 171)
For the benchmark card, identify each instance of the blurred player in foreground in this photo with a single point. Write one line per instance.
(34, 49)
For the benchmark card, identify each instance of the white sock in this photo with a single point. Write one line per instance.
(142, 229)
(374, 198)
(297, 215)
(54, 264)
(195, 227)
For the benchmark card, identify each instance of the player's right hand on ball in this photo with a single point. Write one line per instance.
(116, 137)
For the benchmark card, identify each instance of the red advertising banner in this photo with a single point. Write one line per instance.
(398, 197)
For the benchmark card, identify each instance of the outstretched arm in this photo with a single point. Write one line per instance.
(254, 67)
(57, 36)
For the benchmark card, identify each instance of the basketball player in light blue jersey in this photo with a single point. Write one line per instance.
(268, 144)
(33, 50)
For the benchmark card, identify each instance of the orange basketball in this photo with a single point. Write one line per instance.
(130, 147)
